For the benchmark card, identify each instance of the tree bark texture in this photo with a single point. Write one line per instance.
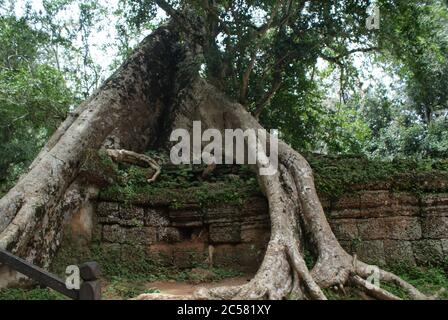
(157, 90)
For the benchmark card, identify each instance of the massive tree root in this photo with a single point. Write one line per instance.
(138, 159)
(128, 109)
(153, 91)
(297, 219)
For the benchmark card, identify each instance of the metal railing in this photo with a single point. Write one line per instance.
(90, 288)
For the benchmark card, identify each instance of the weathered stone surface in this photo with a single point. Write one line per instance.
(255, 233)
(398, 251)
(186, 217)
(379, 225)
(345, 229)
(439, 199)
(394, 228)
(119, 213)
(347, 201)
(225, 212)
(241, 256)
(190, 255)
(372, 199)
(384, 203)
(371, 252)
(156, 217)
(225, 233)
(435, 227)
(444, 243)
(345, 214)
(255, 206)
(371, 229)
(435, 204)
(108, 209)
(427, 251)
(131, 213)
(169, 234)
(118, 234)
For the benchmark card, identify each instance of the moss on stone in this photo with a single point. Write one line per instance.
(334, 176)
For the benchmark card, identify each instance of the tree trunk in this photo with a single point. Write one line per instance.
(128, 109)
(297, 216)
(158, 89)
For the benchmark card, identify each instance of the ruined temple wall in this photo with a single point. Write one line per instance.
(381, 226)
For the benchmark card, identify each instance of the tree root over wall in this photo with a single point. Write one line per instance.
(155, 91)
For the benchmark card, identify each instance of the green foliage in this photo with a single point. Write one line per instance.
(183, 184)
(130, 263)
(47, 51)
(34, 98)
(417, 40)
(429, 280)
(335, 175)
(30, 294)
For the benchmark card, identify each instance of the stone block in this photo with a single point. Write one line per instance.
(434, 227)
(123, 235)
(347, 201)
(190, 256)
(226, 213)
(186, 217)
(371, 229)
(428, 251)
(130, 212)
(345, 229)
(225, 233)
(255, 206)
(256, 233)
(108, 209)
(245, 257)
(393, 228)
(371, 252)
(444, 243)
(435, 204)
(373, 199)
(169, 235)
(156, 218)
(398, 251)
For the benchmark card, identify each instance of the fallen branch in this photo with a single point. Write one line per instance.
(131, 157)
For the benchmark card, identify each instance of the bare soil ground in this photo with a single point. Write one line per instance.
(186, 288)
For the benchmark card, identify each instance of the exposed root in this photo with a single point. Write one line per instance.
(372, 290)
(162, 296)
(131, 157)
(296, 212)
(365, 270)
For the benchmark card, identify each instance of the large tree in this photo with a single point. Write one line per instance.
(210, 63)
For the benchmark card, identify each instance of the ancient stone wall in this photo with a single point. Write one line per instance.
(220, 235)
(381, 226)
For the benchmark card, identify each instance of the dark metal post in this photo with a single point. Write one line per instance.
(40, 275)
(89, 272)
(91, 286)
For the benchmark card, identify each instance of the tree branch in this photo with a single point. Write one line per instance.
(141, 160)
(268, 96)
(336, 59)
